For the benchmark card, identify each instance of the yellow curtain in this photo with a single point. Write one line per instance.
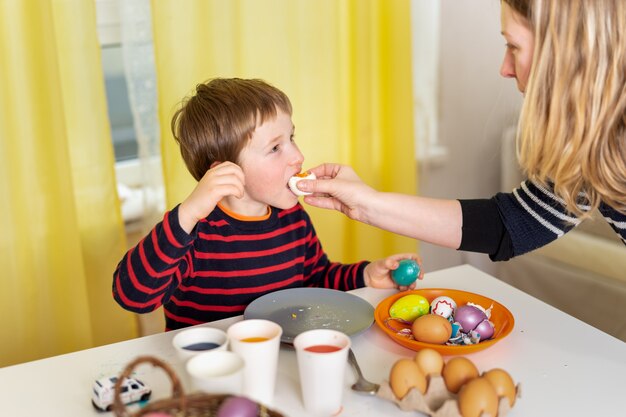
(345, 64)
(61, 232)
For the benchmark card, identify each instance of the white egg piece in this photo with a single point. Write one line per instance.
(298, 177)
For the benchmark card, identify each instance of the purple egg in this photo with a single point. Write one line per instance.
(485, 329)
(238, 407)
(469, 317)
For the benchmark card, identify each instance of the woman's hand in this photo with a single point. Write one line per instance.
(338, 187)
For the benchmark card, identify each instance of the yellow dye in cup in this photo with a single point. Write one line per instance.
(254, 339)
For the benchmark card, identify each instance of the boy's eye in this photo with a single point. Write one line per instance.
(292, 138)
(275, 148)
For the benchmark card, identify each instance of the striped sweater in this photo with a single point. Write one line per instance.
(531, 216)
(224, 264)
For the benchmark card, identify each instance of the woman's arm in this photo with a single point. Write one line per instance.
(430, 220)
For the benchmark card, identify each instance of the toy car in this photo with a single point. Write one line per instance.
(132, 390)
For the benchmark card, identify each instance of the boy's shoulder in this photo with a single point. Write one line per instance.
(290, 214)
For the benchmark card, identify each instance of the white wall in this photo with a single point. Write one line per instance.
(473, 107)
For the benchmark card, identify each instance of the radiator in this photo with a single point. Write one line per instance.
(582, 273)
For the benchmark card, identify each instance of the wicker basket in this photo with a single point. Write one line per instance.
(179, 405)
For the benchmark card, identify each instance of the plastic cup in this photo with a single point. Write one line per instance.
(258, 343)
(322, 360)
(216, 372)
(193, 341)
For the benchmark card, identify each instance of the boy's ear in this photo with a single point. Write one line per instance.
(215, 163)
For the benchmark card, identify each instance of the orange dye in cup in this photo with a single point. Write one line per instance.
(322, 348)
(254, 339)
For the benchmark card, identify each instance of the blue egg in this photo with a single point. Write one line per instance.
(406, 273)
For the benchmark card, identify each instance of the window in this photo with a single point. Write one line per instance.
(138, 164)
(120, 115)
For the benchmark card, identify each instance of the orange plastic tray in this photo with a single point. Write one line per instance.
(501, 318)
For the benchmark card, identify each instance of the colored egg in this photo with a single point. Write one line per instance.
(485, 329)
(443, 306)
(409, 307)
(238, 407)
(469, 317)
(407, 272)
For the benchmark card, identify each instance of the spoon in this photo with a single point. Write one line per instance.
(362, 385)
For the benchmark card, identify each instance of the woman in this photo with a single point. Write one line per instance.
(569, 61)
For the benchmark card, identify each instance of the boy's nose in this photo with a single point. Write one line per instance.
(298, 158)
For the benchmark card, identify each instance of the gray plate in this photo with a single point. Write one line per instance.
(299, 309)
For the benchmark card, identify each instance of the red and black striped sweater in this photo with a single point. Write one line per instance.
(224, 264)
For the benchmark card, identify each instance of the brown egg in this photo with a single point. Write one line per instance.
(404, 375)
(477, 397)
(431, 328)
(502, 383)
(457, 371)
(430, 361)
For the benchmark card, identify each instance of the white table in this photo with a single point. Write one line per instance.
(566, 367)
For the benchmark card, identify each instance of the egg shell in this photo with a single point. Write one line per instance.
(409, 307)
(238, 407)
(429, 361)
(457, 371)
(431, 328)
(476, 397)
(299, 177)
(404, 375)
(502, 383)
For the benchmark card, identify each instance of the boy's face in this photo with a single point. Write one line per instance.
(269, 159)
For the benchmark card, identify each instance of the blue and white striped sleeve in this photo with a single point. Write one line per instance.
(615, 219)
(511, 224)
(534, 216)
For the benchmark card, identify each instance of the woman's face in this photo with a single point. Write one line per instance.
(520, 44)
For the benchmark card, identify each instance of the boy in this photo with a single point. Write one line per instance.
(241, 233)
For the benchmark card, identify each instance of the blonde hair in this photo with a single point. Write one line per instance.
(572, 130)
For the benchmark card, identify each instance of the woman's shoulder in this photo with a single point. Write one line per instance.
(615, 218)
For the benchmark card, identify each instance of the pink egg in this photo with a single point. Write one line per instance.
(485, 329)
(238, 407)
(469, 317)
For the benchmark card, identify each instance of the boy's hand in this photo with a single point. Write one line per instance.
(378, 273)
(223, 179)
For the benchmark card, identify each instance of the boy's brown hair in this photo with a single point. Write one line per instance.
(215, 123)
